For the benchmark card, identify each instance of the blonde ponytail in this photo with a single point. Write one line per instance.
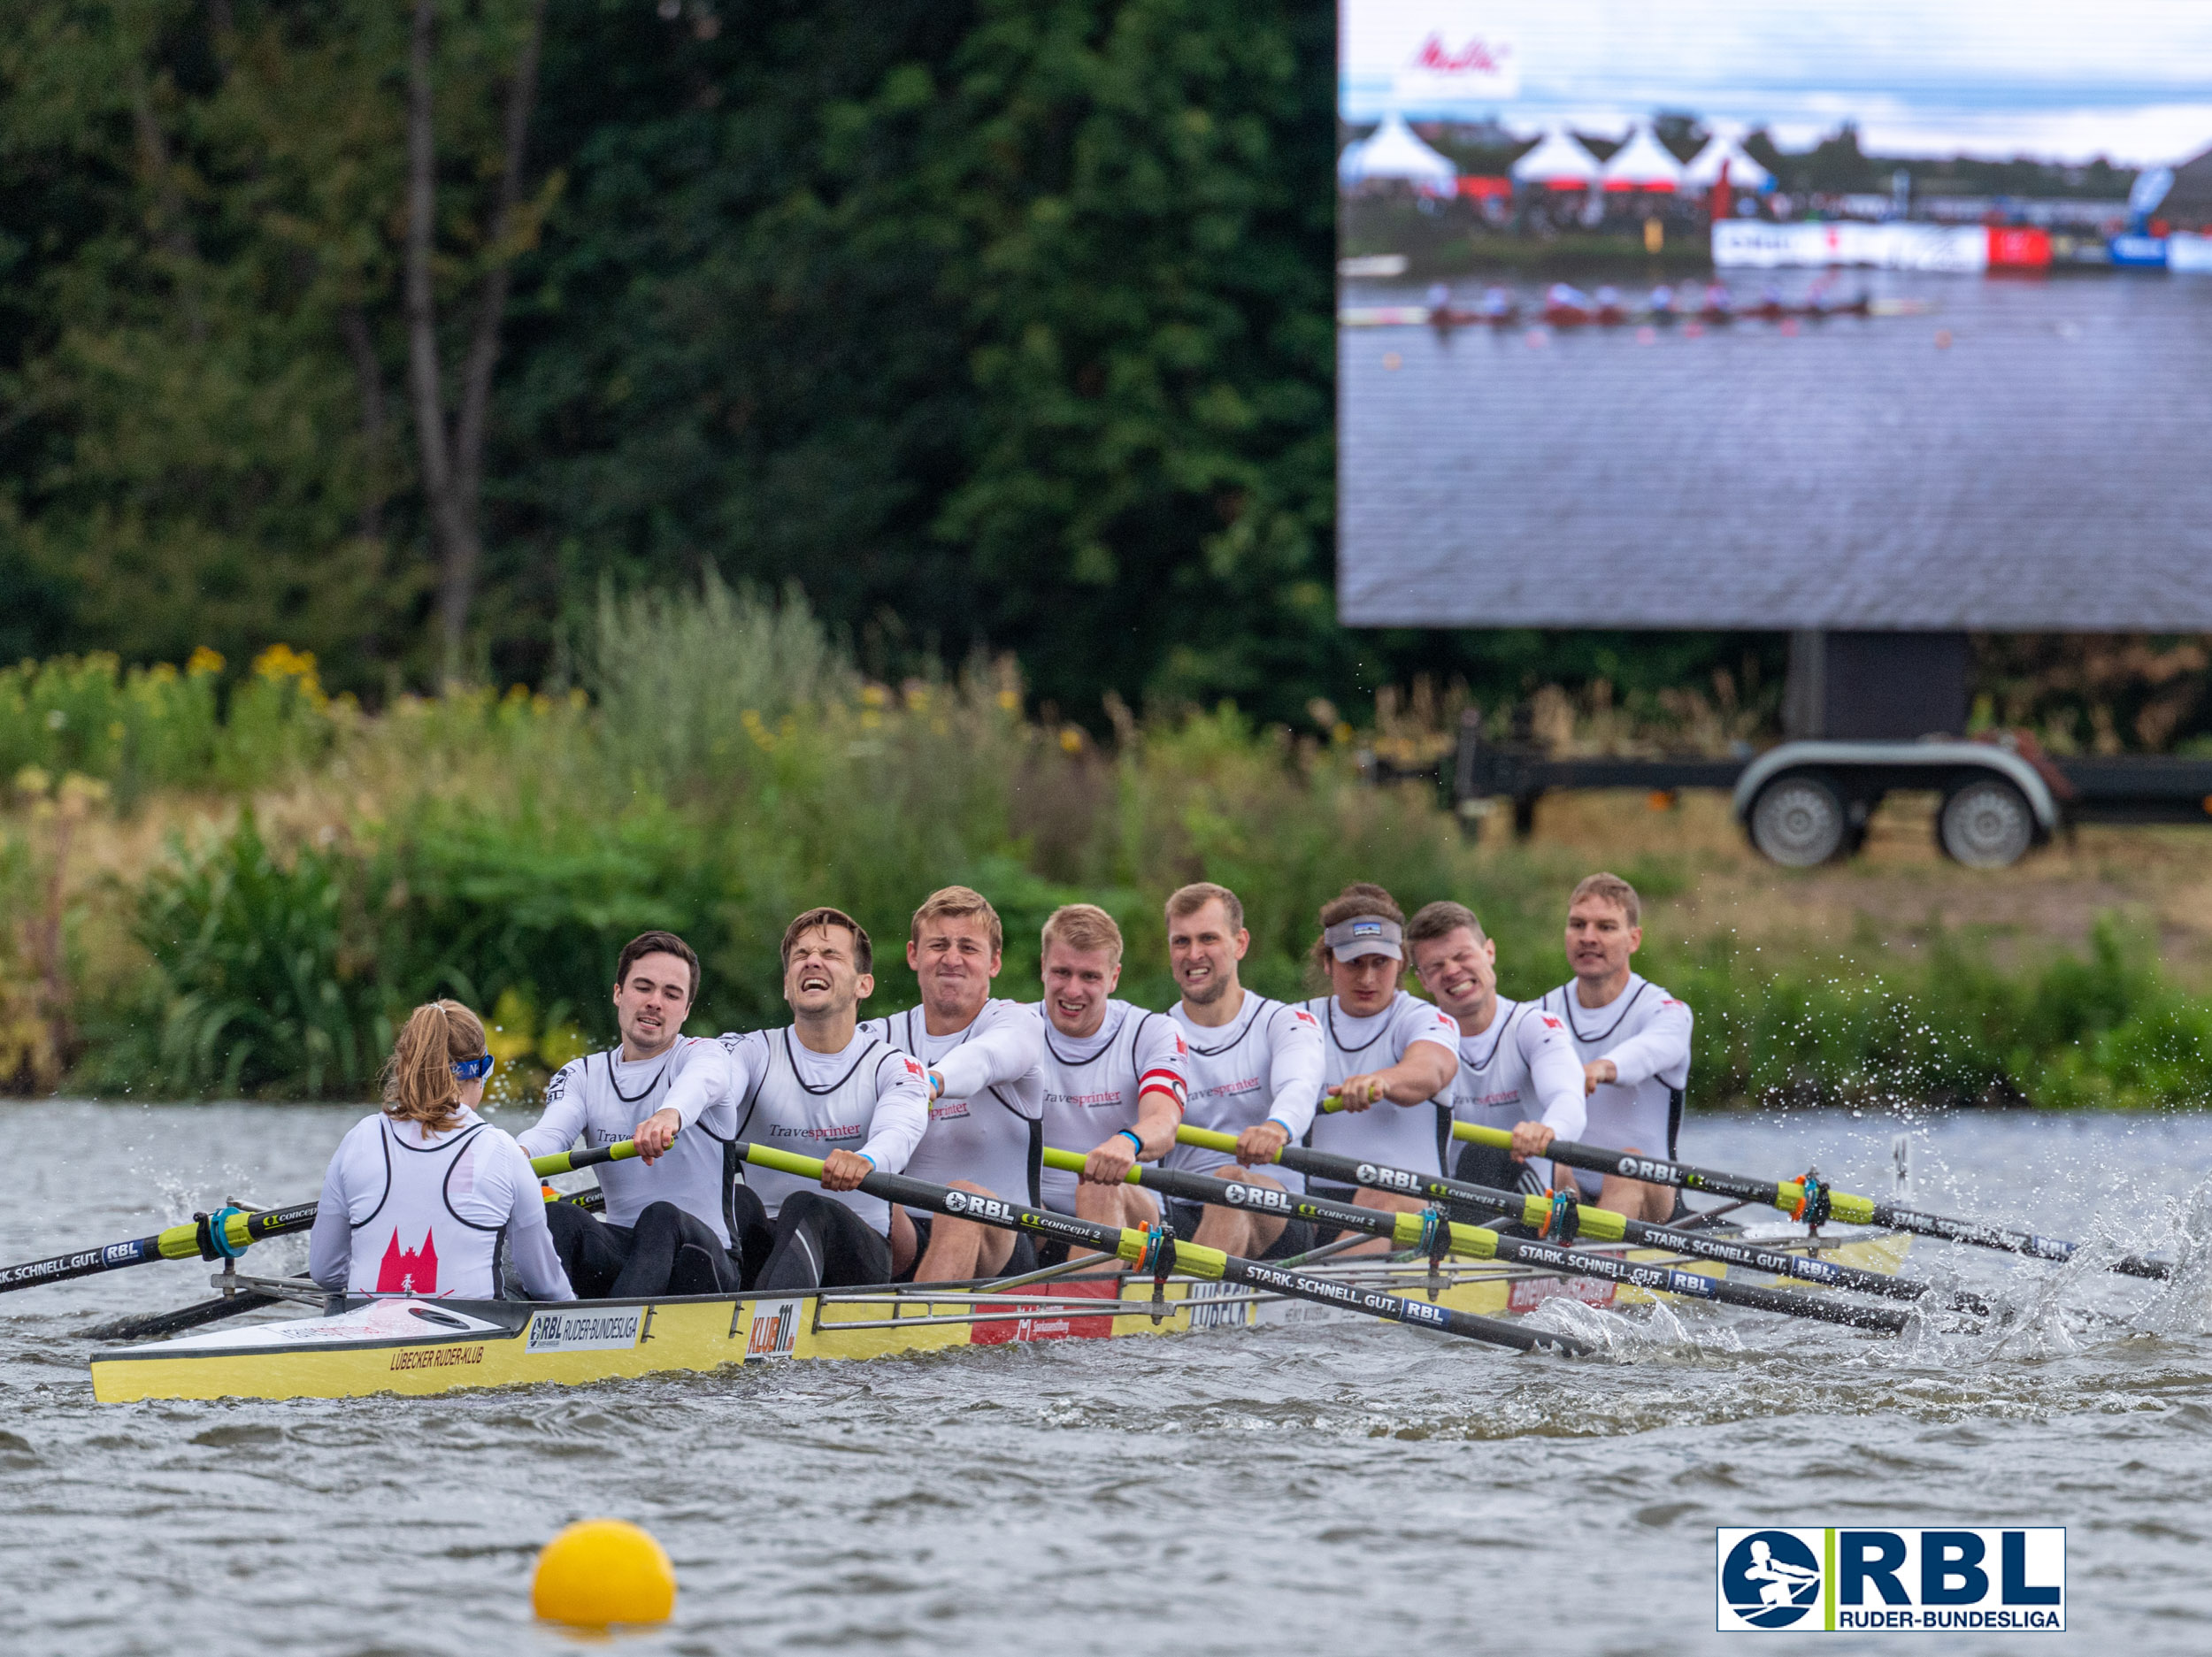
(419, 1081)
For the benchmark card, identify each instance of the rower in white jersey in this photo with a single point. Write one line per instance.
(427, 1197)
(1633, 1040)
(1114, 1074)
(1255, 1068)
(822, 1087)
(986, 1091)
(1392, 1058)
(1516, 1069)
(667, 1225)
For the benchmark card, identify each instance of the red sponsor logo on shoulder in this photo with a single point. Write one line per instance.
(1309, 1018)
(914, 1069)
(1554, 1023)
(1179, 1048)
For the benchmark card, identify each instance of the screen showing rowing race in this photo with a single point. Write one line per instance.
(1721, 313)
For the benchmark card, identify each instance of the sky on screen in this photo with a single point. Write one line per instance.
(2062, 80)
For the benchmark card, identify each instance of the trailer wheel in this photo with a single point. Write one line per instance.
(1986, 824)
(1798, 820)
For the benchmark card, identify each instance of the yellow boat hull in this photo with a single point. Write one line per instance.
(423, 1348)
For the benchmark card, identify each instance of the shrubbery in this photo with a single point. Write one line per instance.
(723, 765)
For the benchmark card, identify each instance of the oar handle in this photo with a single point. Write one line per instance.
(570, 1162)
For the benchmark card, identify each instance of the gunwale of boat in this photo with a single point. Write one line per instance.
(510, 1344)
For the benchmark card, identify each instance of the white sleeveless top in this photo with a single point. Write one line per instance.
(413, 1239)
(1397, 1136)
(876, 1102)
(1093, 1083)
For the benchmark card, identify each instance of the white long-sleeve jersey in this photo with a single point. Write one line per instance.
(1093, 1083)
(1265, 1064)
(600, 1100)
(392, 1190)
(1398, 1136)
(867, 1097)
(1521, 1069)
(987, 1125)
(1646, 1032)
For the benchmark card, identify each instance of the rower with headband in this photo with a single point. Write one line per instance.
(1392, 1057)
(426, 1199)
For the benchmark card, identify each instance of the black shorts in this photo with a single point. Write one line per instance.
(1020, 1263)
(1297, 1236)
(814, 1242)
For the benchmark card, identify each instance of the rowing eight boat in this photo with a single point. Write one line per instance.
(420, 1348)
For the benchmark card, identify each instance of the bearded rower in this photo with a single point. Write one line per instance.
(1392, 1058)
(822, 1087)
(1516, 1069)
(1113, 1073)
(1633, 1037)
(983, 1058)
(1255, 1068)
(667, 1225)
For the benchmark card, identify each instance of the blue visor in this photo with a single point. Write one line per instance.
(474, 1069)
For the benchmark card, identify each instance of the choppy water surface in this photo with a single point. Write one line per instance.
(1294, 1489)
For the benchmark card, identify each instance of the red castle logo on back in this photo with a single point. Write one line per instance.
(407, 1270)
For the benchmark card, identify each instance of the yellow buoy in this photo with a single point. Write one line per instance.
(602, 1571)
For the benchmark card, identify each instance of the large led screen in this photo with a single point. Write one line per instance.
(1721, 313)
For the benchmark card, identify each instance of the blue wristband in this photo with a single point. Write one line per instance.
(1130, 1134)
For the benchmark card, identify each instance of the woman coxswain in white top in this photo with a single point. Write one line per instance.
(1391, 1058)
(420, 1196)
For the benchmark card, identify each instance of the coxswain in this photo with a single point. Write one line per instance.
(822, 1087)
(667, 1224)
(1633, 1037)
(1392, 1057)
(982, 1057)
(1516, 1069)
(1114, 1074)
(427, 1197)
(1254, 1070)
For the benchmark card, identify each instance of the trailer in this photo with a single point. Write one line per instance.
(1806, 802)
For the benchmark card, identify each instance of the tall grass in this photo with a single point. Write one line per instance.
(729, 767)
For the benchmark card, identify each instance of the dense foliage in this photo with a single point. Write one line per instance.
(992, 323)
(284, 875)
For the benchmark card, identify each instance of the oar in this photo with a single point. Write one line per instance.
(229, 1232)
(1604, 1224)
(1156, 1251)
(1428, 1231)
(1810, 1198)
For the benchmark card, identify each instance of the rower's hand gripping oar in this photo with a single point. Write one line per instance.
(229, 1232)
(1606, 1226)
(1808, 1199)
(1156, 1250)
(1428, 1231)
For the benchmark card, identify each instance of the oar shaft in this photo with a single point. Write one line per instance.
(195, 1240)
(1789, 1196)
(1408, 1231)
(1136, 1246)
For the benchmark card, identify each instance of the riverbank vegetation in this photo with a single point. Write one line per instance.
(228, 888)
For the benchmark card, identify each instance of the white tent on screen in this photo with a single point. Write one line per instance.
(1559, 163)
(1642, 164)
(1394, 153)
(1744, 174)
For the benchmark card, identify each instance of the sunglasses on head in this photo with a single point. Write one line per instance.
(475, 1069)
